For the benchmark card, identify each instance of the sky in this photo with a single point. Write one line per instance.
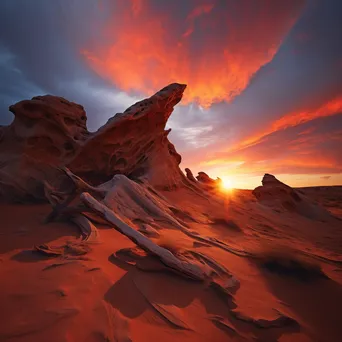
(264, 77)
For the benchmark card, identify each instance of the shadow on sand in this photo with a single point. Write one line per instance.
(138, 291)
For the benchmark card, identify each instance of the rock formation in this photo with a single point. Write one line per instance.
(190, 175)
(120, 177)
(134, 143)
(50, 132)
(204, 178)
(46, 132)
(128, 206)
(207, 182)
(279, 195)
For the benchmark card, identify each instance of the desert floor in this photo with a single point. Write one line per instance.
(289, 268)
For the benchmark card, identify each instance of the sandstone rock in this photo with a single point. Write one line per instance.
(135, 143)
(46, 132)
(204, 178)
(271, 180)
(272, 189)
(49, 132)
(276, 194)
(190, 175)
(208, 183)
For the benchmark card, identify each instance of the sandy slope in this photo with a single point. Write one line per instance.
(327, 196)
(100, 297)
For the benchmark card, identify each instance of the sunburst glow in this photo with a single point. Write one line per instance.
(226, 184)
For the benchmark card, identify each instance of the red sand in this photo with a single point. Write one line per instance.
(99, 298)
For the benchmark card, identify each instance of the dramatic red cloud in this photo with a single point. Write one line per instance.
(214, 47)
(330, 108)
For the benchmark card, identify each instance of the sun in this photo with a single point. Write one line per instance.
(226, 184)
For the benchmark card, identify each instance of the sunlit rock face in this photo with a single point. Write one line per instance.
(49, 132)
(135, 143)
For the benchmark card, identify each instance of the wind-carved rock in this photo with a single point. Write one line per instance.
(272, 189)
(204, 178)
(190, 175)
(135, 143)
(50, 132)
(276, 194)
(128, 207)
(207, 182)
(46, 132)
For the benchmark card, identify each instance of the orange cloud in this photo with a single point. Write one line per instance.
(330, 108)
(300, 164)
(215, 49)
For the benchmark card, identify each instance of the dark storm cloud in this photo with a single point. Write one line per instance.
(40, 43)
(305, 73)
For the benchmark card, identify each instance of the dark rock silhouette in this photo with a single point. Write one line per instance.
(204, 178)
(276, 194)
(190, 175)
